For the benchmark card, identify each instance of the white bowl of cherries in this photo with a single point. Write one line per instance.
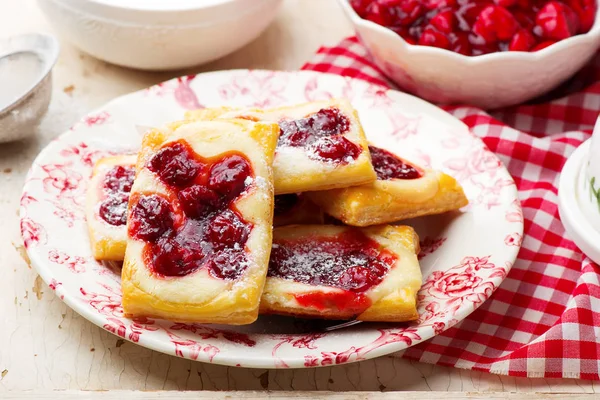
(489, 53)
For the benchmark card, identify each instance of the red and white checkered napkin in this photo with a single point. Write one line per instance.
(544, 320)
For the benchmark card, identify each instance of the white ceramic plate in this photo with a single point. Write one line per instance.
(465, 255)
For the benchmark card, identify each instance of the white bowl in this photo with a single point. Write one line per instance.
(488, 81)
(159, 34)
(590, 179)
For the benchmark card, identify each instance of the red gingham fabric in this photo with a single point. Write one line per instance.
(544, 320)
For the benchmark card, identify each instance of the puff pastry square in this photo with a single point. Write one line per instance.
(322, 144)
(402, 190)
(295, 208)
(106, 206)
(199, 229)
(341, 272)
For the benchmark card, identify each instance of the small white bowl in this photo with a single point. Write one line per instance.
(590, 179)
(488, 81)
(159, 34)
(27, 61)
(579, 196)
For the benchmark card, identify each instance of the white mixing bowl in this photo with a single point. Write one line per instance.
(159, 34)
(489, 81)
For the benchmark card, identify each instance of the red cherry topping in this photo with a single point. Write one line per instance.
(151, 217)
(228, 264)
(119, 179)
(304, 131)
(349, 261)
(209, 232)
(116, 187)
(198, 201)
(228, 176)
(388, 166)
(175, 164)
(113, 209)
(337, 149)
(321, 135)
(228, 230)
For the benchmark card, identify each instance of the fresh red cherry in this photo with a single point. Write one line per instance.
(439, 4)
(444, 22)
(360, 6)
(431, 37)
(586, 12)
(151, 217)
(175, 164)
(198, 201)
(495, 23)
(228, 230)
(523, 40)
(505, 3)
(228, 177)
(543, 45)
(557, 21)
(378, 14)
(460, 44)
(489, 25)
(407, 12)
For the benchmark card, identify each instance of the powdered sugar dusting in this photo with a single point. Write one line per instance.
(349, 261)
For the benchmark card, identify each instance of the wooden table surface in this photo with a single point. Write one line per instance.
(46, 346)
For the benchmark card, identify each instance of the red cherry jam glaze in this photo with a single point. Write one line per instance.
(321, 135)
(388, 166)
(475, 27)
(350, 261)
(205, 230)
(115, 189)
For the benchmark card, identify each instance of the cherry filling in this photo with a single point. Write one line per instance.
(321, 135)
(388, 166)
(284, 203)
(475, 27)
(116, 187)
(203, 229)
(350, 261)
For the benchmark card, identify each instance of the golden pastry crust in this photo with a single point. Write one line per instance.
(304, 212)
(108, 242)
(199, 297)
(385, 201)
(294, 171)
(392, 300)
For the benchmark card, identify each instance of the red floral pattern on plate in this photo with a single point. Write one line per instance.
(74, 263)
(96, 119)
(62, 180)
(262, 89)
(52, 209)
(33, 233)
